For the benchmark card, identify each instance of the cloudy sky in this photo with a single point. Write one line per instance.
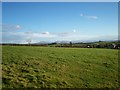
(57, 21)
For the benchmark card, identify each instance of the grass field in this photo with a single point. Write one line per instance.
(49, 67)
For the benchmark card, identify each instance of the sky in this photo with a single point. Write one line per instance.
(60, 0)
(59, 21)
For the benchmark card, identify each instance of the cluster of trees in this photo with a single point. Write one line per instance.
(111, 45)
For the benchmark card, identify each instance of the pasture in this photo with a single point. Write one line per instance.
(50, 67)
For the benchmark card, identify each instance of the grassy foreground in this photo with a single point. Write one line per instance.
(49, 67)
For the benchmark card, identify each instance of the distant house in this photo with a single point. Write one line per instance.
(117, 46)
(89, 46)
(113, 46)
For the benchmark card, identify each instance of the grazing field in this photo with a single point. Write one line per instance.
(50, 67)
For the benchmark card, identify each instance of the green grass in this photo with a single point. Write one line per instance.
(49, 67)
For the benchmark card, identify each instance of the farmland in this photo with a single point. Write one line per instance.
(52, 67)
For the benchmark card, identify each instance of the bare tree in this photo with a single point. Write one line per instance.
(29, 41)
(29, 34)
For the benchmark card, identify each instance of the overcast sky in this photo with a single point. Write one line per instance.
(56, 21)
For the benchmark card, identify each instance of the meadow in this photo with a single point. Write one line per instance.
(53, 67)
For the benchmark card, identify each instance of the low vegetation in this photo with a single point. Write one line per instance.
(98, 44)
(50, 67)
